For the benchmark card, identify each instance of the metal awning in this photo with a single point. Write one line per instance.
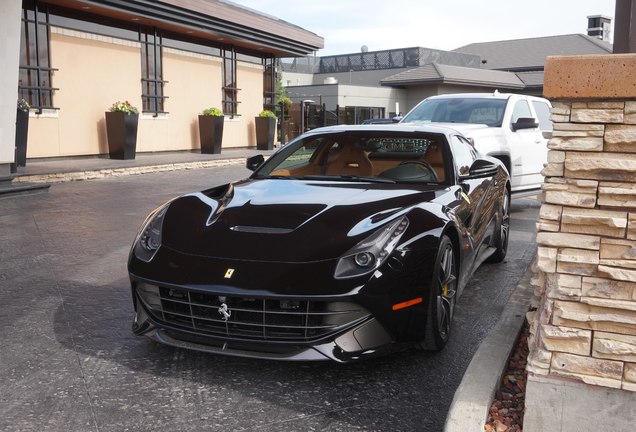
(222, 22)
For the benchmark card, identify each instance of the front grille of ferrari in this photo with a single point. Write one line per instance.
(248, 318)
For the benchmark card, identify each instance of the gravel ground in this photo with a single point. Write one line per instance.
(506, 411)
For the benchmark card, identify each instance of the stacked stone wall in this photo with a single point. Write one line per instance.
(584, 327)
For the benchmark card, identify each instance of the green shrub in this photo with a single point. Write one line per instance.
(212, 112)
(267, 113)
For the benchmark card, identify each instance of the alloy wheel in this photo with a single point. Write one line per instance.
(447, 280)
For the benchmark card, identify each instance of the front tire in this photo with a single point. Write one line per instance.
(442, 299)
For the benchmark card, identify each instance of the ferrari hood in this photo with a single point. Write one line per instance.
(284, 220)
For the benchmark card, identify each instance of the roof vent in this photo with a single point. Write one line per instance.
(599, 26)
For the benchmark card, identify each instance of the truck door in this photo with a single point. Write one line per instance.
(528, 150)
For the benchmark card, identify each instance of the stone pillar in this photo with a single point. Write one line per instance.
(9, 53)
(582, 362)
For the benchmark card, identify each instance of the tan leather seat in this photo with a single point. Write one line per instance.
(350, 160)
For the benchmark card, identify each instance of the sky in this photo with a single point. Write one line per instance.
(347, 25)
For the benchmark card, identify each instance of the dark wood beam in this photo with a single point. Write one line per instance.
(220, 22)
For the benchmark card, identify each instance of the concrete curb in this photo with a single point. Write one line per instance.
(123, 171)
(473, 397)
(11, 190)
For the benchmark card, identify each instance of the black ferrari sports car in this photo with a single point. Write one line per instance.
(348, 242)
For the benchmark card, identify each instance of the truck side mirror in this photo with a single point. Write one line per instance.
(525, 123)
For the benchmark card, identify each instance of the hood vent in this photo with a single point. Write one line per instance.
(260, 230)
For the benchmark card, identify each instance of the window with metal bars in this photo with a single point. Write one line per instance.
(230, 89)
(35, 78)
(269, 84)
(152, 94)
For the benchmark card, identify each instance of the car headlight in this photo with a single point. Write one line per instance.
(371, 252)
(149, 238)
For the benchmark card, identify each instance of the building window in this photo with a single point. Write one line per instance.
(152, 82)
(35, 79)
(230, 90)
(269, 84)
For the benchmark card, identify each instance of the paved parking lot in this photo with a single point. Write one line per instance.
(69, 361)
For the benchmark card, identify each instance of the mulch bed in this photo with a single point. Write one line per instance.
(506, 411)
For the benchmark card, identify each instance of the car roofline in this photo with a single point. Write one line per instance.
(395, 127)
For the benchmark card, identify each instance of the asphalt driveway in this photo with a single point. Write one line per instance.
(69, 361)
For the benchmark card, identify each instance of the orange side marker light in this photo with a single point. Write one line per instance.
(407, 303)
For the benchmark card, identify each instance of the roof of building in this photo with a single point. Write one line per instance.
(531, 79)
(220, 21)
(528, 54)
(435, 73)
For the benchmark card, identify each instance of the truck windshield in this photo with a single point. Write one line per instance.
(459, 110)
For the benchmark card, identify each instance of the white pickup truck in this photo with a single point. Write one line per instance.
(513, 128)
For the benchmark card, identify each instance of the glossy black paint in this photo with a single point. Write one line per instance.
(282, 239)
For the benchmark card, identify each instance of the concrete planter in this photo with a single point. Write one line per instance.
(121, 130)
(265, 130)
(21, 136)
(211, 133)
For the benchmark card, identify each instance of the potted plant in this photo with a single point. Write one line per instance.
(21, 132)
(121, 129)
(265, 129)
(211, 130)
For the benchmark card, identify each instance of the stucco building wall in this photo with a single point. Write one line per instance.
(96, 71)
(242, 130)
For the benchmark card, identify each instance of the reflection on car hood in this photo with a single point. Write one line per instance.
(284, 220)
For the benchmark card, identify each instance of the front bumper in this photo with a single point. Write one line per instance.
(276, 328)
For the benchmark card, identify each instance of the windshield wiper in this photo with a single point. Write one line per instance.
(276, 177)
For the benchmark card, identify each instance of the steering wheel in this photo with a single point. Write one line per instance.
(424, 165)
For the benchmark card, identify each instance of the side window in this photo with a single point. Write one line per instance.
(303, 154)
(269, 84)
(543, 112)
(464, 154)
(230, 90)
(152, 83)
(522, 109)
(35, 79)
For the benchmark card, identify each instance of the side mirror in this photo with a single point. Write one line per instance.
(254, 162)
(397, 119)
(525, 123)
(547, 134)
(483, 168)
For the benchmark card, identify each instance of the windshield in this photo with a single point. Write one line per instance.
(380, 156)
(459, 110)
